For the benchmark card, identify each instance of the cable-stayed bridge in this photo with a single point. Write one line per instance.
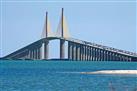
(77, 49)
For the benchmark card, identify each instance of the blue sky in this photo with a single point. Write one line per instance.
(111, 23)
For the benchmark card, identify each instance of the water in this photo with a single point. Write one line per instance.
(63, 76)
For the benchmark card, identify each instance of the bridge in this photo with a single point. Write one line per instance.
(78, 50)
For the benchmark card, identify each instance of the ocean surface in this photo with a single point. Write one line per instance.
(18, 75)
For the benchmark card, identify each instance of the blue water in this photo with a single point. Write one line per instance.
(62, 76)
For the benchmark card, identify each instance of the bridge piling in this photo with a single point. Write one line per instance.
(46, 49)
(62, 49)
(35, 53)
(91, 53)
(85, 53)
(70, 51)
(74, 50)
(81, 52)
(95, 54)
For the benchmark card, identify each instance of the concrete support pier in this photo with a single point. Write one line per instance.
(46, 49)
(62, 49)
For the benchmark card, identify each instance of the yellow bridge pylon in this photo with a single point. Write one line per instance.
(62, 28)
(47, 28)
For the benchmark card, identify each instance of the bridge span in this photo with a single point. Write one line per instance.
(77, 49)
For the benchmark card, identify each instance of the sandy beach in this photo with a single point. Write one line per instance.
(134, 72)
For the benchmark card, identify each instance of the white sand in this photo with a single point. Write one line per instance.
(134, 72)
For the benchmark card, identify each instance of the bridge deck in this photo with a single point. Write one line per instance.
(123, 52)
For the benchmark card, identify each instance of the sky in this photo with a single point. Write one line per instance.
(111, 23)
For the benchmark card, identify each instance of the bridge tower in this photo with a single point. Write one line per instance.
(62, 42)
(45, 44)
(46, 54)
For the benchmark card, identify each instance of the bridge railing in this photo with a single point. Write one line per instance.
(103, 47)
